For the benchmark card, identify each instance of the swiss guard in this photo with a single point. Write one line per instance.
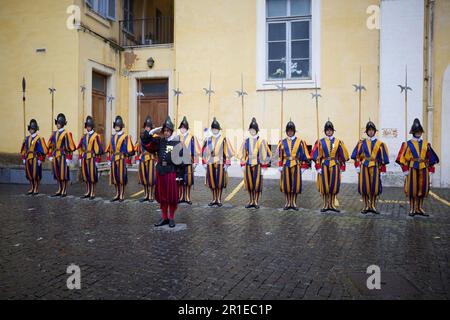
(146, 162)
(90, 151)
(330, 156)
(169, 169)
(254, 155)
(417, 159)
(119, 149)
(293, 161)
(371, 157)
(192, 147)
(217, 153)
(60, 149)
(33, 154)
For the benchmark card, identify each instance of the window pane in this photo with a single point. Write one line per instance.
(155, 88)
(300, 49)
(98, 82)
(276, 8)
(274, 66)
(300, 69)
(277, 50)
(277, 31)
(300, 7)
(300, 30)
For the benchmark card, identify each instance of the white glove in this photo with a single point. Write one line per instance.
(153, 131)
(382, 174)
(243, 168)
(303, 170)
(24, 161)
(319, 171)
(68, 162)
(96, 164)
(195, 166)
(280, 169)
(358, 169)
(205, 166)
(39, 162)
(79, 161)
(405, 173)
(50, 159)
(109, 163)
(138, 162)
(226, 167)
(431, 173)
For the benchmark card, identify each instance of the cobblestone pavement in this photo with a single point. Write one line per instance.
(220, 253)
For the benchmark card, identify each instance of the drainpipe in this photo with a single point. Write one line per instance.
(430, 106)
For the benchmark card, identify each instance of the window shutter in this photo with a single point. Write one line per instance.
(89, 3)
(111, 11)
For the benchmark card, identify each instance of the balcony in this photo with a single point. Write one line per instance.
(146, 32)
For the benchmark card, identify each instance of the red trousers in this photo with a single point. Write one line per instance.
(166, 194)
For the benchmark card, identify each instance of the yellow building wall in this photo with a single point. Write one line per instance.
(441, 60)
(24, 27)
(223, 42)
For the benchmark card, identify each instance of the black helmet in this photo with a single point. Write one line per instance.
(328, 126)
(89, 122)
(254, 125)
(33, 125)
(215, 124)
(148, 122)
(416, 127)
(118, 123)
(61, 119)
(371, 125)
(168, 124)
(290, 126)
(184, 123)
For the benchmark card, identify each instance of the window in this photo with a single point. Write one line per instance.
(128, 16)
(104, 8)
(288, 26)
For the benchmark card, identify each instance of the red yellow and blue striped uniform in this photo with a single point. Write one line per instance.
(418, 158)
(119, 149)
(147, 165)
(193, 148)
(254, 155)
(60, 147)
(90, 150)
(371, 156)
(33, 152)
(217, 152)
(329, 155)
(293, 156)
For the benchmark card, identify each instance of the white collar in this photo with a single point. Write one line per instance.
(330, 138)
(91, 132)
(120, 132)
(291, 138)
(216, 135)
(373, 138)
(61, 130)
(34, 135)
(171, 137)
(186, 133)
(417, 139)
(256, 136)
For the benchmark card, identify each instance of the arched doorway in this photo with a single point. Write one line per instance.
(445, 128)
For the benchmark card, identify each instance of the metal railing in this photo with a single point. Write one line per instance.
(146, 32)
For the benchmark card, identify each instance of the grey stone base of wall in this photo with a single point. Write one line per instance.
(17, 175)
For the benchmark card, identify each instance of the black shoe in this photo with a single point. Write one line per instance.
(249, 206)
(374, 211)
(171, 223)
(114, 200)
(335, 210)
(55, 195)
(143, 200)
(35, 193)
(64, 195)
(295, 208)
(84, 196)
(91, 197)
(256, 206)
(324, 210)
(411, 214)
(162, 222)
(285, 208)
(364, 211)
(121, 200)
(211, 204)
(29, 193)
(219, 204)
(151, 200)
(189, 202)
(424, 214)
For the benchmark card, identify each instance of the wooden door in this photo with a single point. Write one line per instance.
(99, 105)
(154, 103)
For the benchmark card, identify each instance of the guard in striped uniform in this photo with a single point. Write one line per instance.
(119, 149)
(217, 153)
(192, 148)
(371, 157)
(254, 155)
(330, 156)
(417, 159)
(33, 153)
(293, 161)
(60, 148)
(90, 151)
(146, 162)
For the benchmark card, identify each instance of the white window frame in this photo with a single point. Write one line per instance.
(262, 78)
(102, 8)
